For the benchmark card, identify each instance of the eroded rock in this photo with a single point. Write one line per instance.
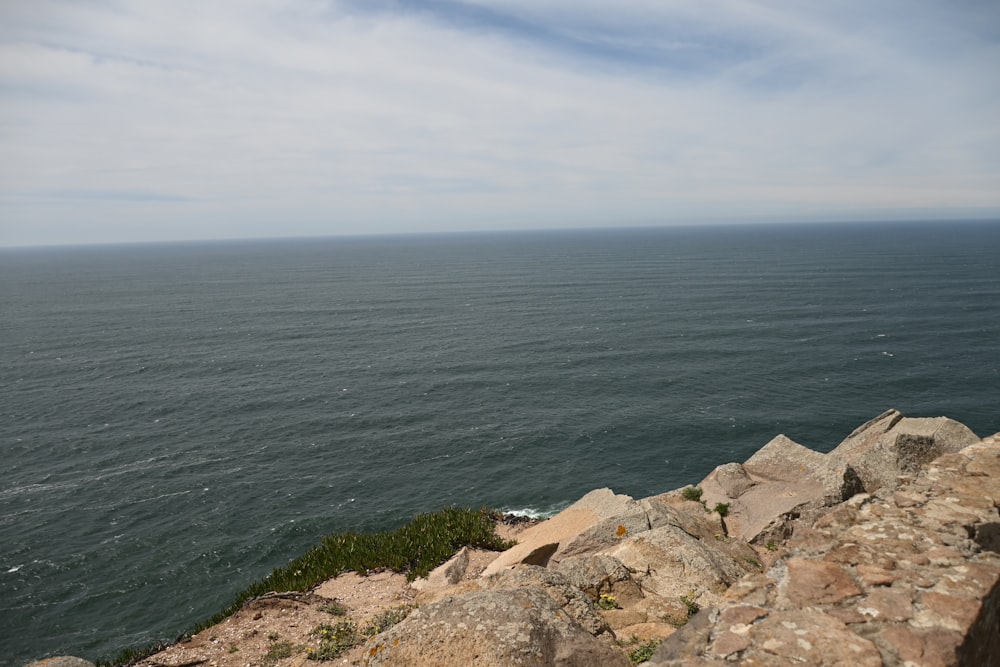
(493, 628)
(892, 445)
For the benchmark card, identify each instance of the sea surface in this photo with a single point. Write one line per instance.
(176, 420)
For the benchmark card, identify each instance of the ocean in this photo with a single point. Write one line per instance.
(179, 419)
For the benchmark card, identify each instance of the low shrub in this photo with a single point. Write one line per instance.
(644, 651)
(692, 606)
(606, 602)
(334, 640)
(692, 493)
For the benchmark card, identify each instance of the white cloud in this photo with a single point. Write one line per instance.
(128, 121)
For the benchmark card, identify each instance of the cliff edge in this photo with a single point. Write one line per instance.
(882, 552)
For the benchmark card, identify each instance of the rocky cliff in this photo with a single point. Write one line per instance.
(882, 552)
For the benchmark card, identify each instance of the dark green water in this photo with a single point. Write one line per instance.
(177, 420)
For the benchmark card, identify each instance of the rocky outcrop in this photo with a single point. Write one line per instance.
(892, 445)
(492, 628)
(782, 482)
(882, 552)
(872, 566)
(548, 540)
(785, 482)
(905, 576)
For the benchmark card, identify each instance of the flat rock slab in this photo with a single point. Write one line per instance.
(544, 540)
(776, 485)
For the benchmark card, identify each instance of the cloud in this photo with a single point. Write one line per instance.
(268, 118)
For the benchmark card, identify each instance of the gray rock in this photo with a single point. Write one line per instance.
(606, 533)
(689, 641)
(672, 563)
(446, 574)
(492, 628)
(599, 574)
(892, 445)
(671, 509)
(789, 481)
(563, 529)
(733, 479)
(557, 585)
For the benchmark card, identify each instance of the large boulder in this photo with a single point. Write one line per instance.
(672, 563)
(548, 539)
(557, 585)
(492, 628)
(892, 445)
(782, 482)
(599, 574)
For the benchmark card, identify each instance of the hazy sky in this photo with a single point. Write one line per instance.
(177, 119)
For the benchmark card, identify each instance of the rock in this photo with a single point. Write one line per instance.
(563, 528)
(569, 598)
(600, 574)
(672, 509)
(781, 483)
(892, 445)
(689, 641)
(446, 574)
(733, 479)
(646, 631)
(493, 628)
(659, 609)
(895, 577)
(61, 661)
(606, 533)
(813, 582)
(672, 563)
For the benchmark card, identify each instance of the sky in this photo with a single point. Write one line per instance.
(146, 120)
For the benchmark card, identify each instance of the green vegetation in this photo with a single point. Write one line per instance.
(606, 602)
(413, 549)
(278, 651)
(644, 651)
(692, 606)
(722, 508)
(333, 640)
(692, 493)
(334, 608)
(771, 546)
(386, 620)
